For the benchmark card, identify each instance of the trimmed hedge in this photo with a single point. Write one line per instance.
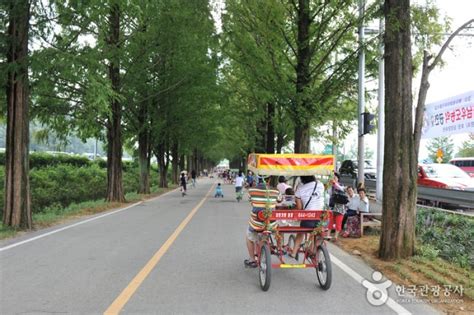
(41, 159)
(64, 184)
(449, 236)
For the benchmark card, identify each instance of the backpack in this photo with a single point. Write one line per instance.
(338, 197)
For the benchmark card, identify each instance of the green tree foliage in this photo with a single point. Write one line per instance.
(467, 149)
(445, 144)
(429, 27)
(167, 58)
(310, 76)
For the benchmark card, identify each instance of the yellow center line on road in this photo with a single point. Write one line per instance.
(128, 292)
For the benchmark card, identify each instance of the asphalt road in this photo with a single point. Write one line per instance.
(146, 260)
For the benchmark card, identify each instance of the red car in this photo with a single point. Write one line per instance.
(445, 176)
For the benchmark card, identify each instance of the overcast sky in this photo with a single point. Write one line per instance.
(454, 78)
(457, 75)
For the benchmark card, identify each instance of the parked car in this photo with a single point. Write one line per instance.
(349, 169)
(465, 163)
(446, 176)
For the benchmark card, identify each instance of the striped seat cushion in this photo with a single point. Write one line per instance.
(263, 196)
(261, 199)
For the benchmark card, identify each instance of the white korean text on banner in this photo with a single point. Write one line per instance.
(449, 116)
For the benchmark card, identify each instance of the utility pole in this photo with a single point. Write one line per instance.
(361, 89)
(381, 118)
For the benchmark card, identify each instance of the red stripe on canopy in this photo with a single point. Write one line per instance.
(295, 161)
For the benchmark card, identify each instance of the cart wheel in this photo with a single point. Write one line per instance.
(265, 267)
(323, 267)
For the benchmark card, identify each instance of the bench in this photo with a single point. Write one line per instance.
(373, 222)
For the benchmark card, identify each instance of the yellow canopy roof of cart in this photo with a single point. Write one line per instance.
(290, 164)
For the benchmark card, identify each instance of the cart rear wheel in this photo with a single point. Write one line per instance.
(323, 267)
(265, 267)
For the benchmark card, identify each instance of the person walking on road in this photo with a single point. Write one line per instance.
(337, 205)
(249, 179)
(193, 178)
(183, 184)
(239, 183)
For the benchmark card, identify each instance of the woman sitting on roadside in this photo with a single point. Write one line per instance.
(357, 203)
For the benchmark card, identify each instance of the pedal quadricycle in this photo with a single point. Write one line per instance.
(271, 241)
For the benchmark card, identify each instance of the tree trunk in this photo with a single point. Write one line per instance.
(420, 108)
(270, 128)
(182, 160)
(201, 165)
(195, 160)
(167, 164)
(302, 138)
(17, 205)
(144, 161)
(261, 135)
(162, 164)
(174, 163)
(302, 128)
(280, 141)
(400, 165)
(115, 191)
(188, 162)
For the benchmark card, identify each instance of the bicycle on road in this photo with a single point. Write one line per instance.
(239, 194)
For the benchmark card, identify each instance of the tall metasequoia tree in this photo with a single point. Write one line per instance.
(400, 162)
(402, 144)
(115, 191)
(303, 57)
(17, 210)
(270, 142)
(284, 50)
(144, 152)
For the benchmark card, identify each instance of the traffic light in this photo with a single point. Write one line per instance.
(368, 123)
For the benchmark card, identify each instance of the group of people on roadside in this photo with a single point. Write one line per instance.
(347, 206)
(309, 195)
(184, 179)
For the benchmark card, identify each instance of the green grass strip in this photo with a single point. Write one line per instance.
(401, 271)
(457, 274)
(6, 231)
(431, 274)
